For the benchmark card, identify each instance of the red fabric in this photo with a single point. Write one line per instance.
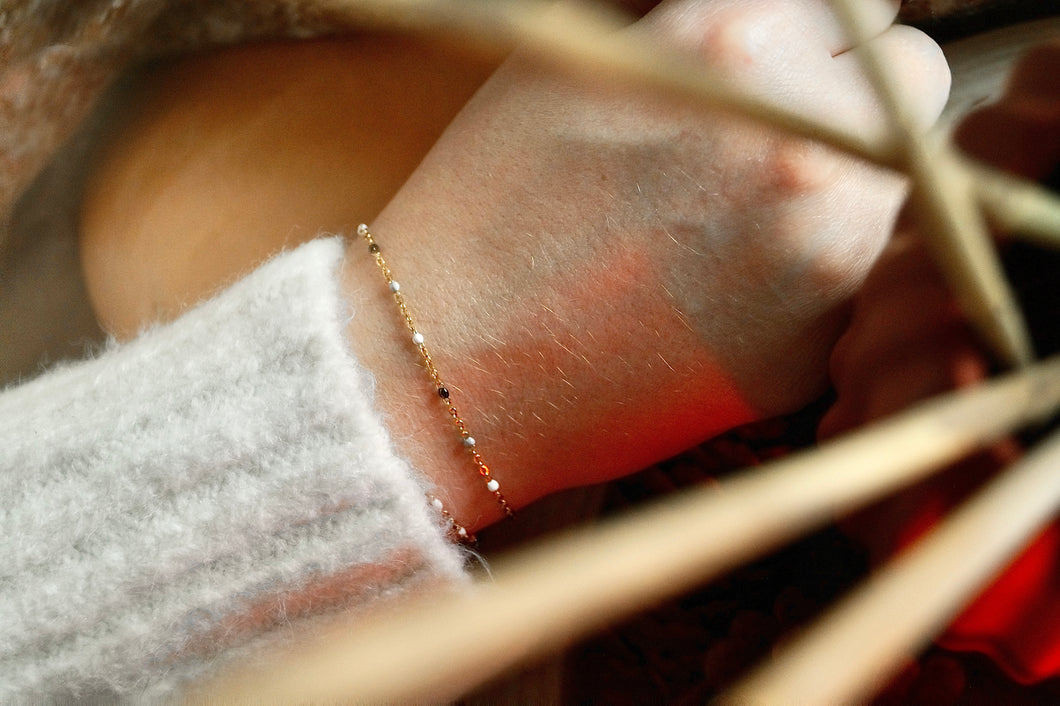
(1017, 620)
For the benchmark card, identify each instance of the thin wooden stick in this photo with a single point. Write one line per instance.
(551, 595)
(943, 199)
(851, 652)
(1019, 207)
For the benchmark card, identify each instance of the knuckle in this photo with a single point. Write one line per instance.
(795, 168)
(732, 39)
(729, 36)
(840, 269)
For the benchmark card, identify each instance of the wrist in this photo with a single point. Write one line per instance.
(417, 416)
(558, 389)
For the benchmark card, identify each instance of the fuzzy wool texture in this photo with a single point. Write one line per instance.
(180, 492)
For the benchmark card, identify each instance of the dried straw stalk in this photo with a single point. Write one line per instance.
(944, 200)
(584, 36)
(548, 596)
(874, 631)
(1019, 207)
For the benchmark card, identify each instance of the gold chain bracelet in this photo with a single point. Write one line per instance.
(444, 393)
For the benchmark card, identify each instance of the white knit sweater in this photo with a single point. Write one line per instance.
(169, 502)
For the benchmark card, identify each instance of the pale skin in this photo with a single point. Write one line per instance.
(603, 277)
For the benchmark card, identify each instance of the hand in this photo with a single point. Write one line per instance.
(610, 277)
(907, 341)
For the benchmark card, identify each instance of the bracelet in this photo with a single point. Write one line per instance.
(456, 530)
(443, 391)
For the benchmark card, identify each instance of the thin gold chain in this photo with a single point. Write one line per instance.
(444, 392)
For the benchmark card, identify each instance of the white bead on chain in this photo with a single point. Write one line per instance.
(455, 528)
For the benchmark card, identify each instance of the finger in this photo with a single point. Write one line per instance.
(902, 301)
(924, 88)
(817, 21)
(731, 34)
(878, 340)
(878, 16)
(944, 362)
(876, 387)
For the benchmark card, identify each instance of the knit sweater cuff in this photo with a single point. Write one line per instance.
(192, 490)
